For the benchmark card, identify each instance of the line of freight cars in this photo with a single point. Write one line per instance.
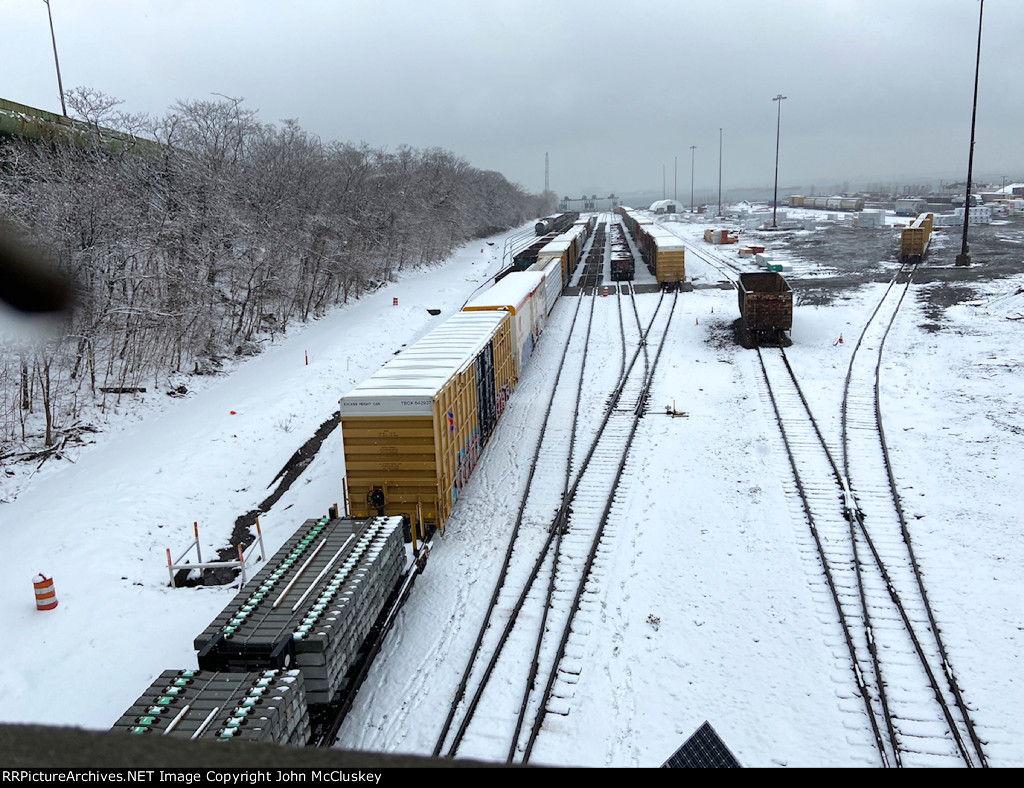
(558, 223)
(662, 251)
(414, 431)
(567, 244)
(827, 203)
(283, 660)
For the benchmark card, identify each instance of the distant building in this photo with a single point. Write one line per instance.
(667, 206)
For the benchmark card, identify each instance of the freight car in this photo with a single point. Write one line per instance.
(914, 239)
(413, 432)
(527, 256)
(558, 223)
(663, 252)
(766, 309)
(522, 295)
(622, 264)
(554, 279)
(282, 662)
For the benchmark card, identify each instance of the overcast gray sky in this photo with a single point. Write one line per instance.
(877, 90)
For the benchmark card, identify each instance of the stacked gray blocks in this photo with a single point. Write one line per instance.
(268, 706)
(328, 638)
(346, 570)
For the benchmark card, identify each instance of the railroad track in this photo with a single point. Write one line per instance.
(903, 679)
(592, 270)
(525, 661)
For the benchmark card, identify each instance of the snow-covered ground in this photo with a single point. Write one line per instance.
(705, 543)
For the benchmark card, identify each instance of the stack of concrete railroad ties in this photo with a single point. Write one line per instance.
(269, 706)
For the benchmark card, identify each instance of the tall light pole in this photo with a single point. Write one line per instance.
(53, 37)
(778, 127)
(692, 154)
(675, 179)
(719, 171)
(964, 258)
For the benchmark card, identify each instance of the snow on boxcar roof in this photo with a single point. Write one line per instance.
(664, 239)
(423, 368)
(510, 291)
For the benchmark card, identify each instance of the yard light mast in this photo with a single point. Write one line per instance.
(719, 172)
(693, 149)
(778, 128)
(964, 258)
(53, 37)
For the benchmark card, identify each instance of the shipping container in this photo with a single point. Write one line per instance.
(413, 432)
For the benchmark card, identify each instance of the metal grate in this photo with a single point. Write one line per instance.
(703, 750)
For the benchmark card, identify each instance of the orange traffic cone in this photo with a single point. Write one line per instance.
(696, 321)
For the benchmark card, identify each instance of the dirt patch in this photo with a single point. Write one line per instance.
(242, 534)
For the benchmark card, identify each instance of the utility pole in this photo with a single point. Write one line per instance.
(663, 181)
(719, 171)
(964, 258)
(53, 37)
(675, 180)
(778, 127)
(546, 172)
(693, 148)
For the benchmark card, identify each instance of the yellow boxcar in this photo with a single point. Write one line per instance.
(914, 239)
(413, 432)
(669, 255)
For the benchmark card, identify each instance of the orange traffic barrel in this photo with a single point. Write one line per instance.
(46, 597)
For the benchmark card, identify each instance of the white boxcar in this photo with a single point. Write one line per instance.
(521, 293)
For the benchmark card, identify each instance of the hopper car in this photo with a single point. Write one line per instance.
(766, 308)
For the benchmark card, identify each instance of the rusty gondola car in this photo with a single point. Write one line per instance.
(766, 309)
